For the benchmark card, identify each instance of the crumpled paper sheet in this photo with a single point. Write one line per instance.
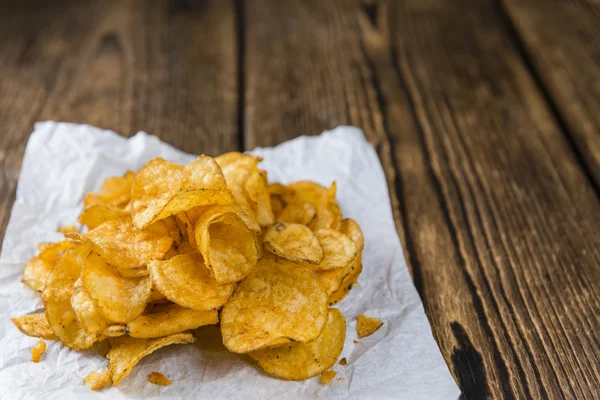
(64, 161)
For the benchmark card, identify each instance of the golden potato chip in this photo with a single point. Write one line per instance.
(228, 241)
(37, 269)
(117, 298)
(115, 191)
(35, 325)
(169, 319)
(43, 246)
(278, 302)
(126, 352)
(366, 326)
(347, 282)
(57, 300)
(329, 215)
(185, 280)
(38, 350)
(327, 377)
(136, 272)
(351, 228)
(339, 249)
(276, 192)
(332, 278)
(155, 295)
(256, 187)
(159, 379)
(86, 311)
(67, 228)
(307, 191)
(121, 244)
(98, 379)
(301, 212)
(293, 241)
(163, 188)
(98, 214)
(297, 361)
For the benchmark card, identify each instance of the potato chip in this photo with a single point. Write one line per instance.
(137, 272)
(37, 269)
(327, 377)
(38, 350)
(301, 212)
(117, 298)
(67, 228)
(307, 191)
(276, 192)
(121, 244)
(366, 326)
(126, 352)
(98, 214)
(98, 379)
(351, 228)
(297, 361)
(256, 187)
(228, 241)
(347, 283)
(159, 379)
(155, 295)
(329, 215)
(185, 280)
(339, 249)
(332, 278)
(57, 300)
(115, 191)
(86, 311)
(35, 325)
(163, 188)
(278, 302)
(169, 319)
(293, 241)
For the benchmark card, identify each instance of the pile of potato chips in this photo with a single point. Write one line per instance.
(171, 248)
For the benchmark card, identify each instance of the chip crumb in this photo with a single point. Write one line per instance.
(38, 350)
(355, 341)
(159, 379)
(98, 379)
(366, 326)
(340, 379)
(327, 376)
(67, 228)
(343, 361)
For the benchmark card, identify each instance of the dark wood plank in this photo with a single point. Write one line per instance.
(498, 221)
(563, 40)
(167, 67)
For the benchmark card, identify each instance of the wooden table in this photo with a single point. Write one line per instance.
(485, 115)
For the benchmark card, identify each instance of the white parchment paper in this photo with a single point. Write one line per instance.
(64, 161)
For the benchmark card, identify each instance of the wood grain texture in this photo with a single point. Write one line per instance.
(166, 67)
(563, 40)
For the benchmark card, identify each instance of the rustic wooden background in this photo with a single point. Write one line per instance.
(485, 115)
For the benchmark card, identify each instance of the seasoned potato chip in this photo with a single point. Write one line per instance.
(329, 215)
(327, 377)
(117, 298)
(126, 352)
(228, 241)
(38, 350)
(332, 278)
(35, 325)
(186, 281)
(115, 191)
(351, 228)
(86, 311)
(98, 379)
(278, 302)
(347, 283)
(159, 379)
(37, 269)
(339, 249)
(366, 326)
(308, 191)
(67, 228)
(169, 319)
(293, 241)
(256, 187)
(98, 214)
(57, 300)
(163, 188)
(301, 212)
(121, 244)
(297, 361)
